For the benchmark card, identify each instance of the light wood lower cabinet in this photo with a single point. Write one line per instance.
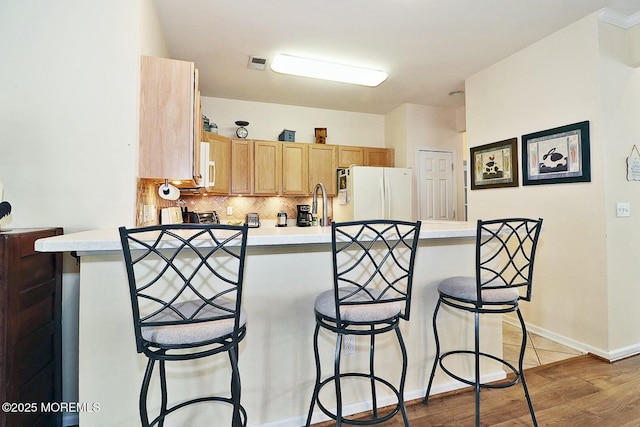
(323, 162)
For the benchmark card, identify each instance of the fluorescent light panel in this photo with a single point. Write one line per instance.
(306, 67)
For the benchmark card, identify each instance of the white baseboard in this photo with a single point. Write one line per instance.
(356, 408)
(611, 355)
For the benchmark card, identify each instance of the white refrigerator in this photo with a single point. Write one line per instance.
(374, 193)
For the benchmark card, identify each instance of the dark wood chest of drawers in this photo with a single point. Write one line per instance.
(30, 329)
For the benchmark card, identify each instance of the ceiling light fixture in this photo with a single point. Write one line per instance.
(306, 67)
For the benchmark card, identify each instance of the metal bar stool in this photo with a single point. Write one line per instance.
(373, 274)
(186, 291)
(505, 252)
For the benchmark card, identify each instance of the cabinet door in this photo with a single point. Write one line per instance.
(241, 166)
(348, 156)
(294, 169)
(267, 166)
(383, 157)
(323, 162)
(166, 119)
(198, 132)
(30, 332)
(219, 159)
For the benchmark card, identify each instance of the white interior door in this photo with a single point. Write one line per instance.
(436, 185)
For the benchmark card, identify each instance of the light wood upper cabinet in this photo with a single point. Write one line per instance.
(323, 162)
(219, 162)
(198, 131)
(241, 166)
(294, 169)
(169, 119)
(348, 156)
(267, 166)
(374, 156)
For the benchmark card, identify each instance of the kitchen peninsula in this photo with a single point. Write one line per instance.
(285, 269)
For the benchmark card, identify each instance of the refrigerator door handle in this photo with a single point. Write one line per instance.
(382, 196)
(388, 200)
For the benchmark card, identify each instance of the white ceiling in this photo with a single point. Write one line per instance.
(428, 47)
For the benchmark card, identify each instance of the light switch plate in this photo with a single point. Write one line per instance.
(623, 209)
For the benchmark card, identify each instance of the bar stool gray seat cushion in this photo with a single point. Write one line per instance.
(464, 288)
(193, 332)
(325, 304)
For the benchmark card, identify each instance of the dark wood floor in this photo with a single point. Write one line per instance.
(583, 391)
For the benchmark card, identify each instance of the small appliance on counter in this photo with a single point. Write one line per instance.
(304, 218)
(204, 217)
(253, 220)
(172, 215)
(282, 219)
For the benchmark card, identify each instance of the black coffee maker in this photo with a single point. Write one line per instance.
(303, 218)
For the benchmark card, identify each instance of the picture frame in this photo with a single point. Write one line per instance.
(495, 165)
(558, 155)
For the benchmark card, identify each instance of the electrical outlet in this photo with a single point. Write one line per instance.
(349, 344)
(229, 210)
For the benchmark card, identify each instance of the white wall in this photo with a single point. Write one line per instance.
(558, 81)
(152, 40)
(411, 127)
(621, 107)
(266, 121)
(68, 125)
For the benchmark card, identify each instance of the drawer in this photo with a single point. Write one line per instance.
(34, 316)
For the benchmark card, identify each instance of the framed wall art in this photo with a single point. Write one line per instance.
(495, 165)
(557, 155)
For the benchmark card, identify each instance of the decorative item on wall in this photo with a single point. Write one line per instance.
(242, 131)
(495, 165)
(321, 135)
(558, 155)
(633, 165)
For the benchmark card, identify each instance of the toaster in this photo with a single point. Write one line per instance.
(253, 220)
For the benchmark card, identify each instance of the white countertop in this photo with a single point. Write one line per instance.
(108, 239)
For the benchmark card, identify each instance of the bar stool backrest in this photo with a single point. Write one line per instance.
(374, 261)
(177, 273)
(505, 253)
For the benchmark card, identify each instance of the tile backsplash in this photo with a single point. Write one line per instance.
(266, 207)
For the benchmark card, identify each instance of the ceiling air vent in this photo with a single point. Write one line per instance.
(257, 63)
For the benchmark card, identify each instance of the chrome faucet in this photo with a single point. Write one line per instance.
(314, 206)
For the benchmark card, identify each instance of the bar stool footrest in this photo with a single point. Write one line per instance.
(243, 412)
(492, 385)
(368, 421)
